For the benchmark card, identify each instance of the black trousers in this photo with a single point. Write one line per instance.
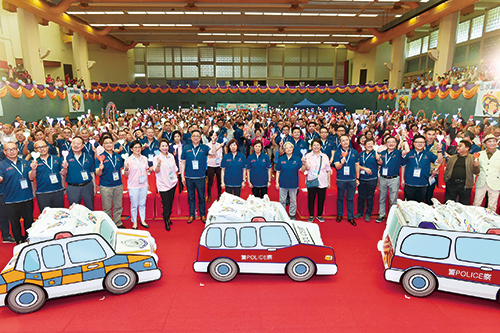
(430, 191)
(181, 186)
(259, 192)
(312, 192)
(17, 210)
(4, 220)
(167, 199)
(415, 193)
(236, 190)
(52, 199)
(211, 172)
(366, 191)
(458, 191)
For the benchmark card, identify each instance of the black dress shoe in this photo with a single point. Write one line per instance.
(352, 222)
(339, 218)
(145, 225)
(167, 226)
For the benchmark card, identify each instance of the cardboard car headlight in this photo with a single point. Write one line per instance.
(60, 263)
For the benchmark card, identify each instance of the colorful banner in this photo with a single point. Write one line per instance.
(488, 103)
(75, 100)
(403, 99)
(16, 90)
(238, 89)
(468, 91)
(244, 106)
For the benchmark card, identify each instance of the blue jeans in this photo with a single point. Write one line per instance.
(347, 189)
(196, 184)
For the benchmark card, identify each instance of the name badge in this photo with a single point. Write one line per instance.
(53, 178)
(314, 174)
(116, 176)
(142, 179)
(385, 171)
(416, 172)
(217, 160)
(150, 157)
(171, 175)
(24, 184)
(362, 172)
(346, 171)
(195, 165)
(85, 175)
(432, 180)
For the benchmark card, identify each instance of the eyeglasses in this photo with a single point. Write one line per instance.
(41, 147)
(9, 150)
(419, 142)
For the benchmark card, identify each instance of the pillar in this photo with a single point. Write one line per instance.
(80, 58)
(30, 44)
(446, 43)
(398, 62)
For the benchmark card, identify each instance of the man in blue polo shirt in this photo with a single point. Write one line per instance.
(347, 165)
(166, 132)
(326, 146)
(81, 175)
(239, 136)
(300, 147)
(193, 172)
(49, 188)
(151, 146)
(40, 136)
(417, 168)
(390, 161)
(18, 194)
(122, 146)
(368, 176)
(65, 143)
(311, 133)
(21, 143)
(432, 146)
(287, 177)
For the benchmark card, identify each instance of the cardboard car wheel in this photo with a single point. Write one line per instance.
(26, 298)
(300, 269)
(120, 281)
(223, 270)
(419, 282)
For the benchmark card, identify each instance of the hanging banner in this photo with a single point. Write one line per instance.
(75, 100)
(488, 103)
(403, 99)
(245, 106)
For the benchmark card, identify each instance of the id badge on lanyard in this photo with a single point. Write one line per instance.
(85, 175)
(195, 165)
(115, 176)
(416, 172)
(24, 184)
(385, 171)
(347, 171)
(150, 157)
(53, 178)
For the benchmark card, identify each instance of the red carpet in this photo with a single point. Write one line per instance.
(356, 299)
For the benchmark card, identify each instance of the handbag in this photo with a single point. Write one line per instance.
(315, 181)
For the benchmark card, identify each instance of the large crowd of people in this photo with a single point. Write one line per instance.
(195, 148)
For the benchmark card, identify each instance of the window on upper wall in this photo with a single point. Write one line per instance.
(476, 30)
(433, 40)
(492, 20)
(425, 44)
(463, 32)
(414, 47)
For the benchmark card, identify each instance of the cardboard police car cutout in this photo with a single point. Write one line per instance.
(263, 247)
(452, 248)
(70, 264)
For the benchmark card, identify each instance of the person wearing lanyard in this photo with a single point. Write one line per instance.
(110, 182)
(15, 174)
(311, 133)
(122, 146)
(326, 146)
(176, 150)
(259, 170)
(65, 143)
(233, 169)
(88, 145)
(21, 143)
(347, 165)
(213, 163)
(300, 147)
(390, 161)
(49, 187)
(287, 177)
(417, 168)
(80, 177)
(368, 177)
(193, 171)
(166, 132)
(432, 146)
(317, 165)
(136, 169)
(150, 147)
(166, 179)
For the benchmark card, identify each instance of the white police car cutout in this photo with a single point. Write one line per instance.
(424, 259)
(70, 265)
(229, 248)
